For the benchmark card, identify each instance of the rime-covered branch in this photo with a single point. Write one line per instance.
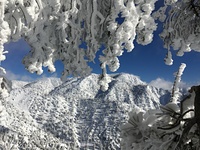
(55, 29)
(175, 90)
(181, 26)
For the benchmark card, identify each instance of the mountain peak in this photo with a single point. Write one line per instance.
(76, 112)
(128, 78)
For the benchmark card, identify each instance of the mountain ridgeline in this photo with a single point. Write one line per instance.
(76, 114)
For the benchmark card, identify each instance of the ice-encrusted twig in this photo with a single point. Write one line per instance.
(175, 90)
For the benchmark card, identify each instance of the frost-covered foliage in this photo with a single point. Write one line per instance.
(181, 29)
(164, 129)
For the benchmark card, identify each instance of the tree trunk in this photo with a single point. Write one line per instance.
(197, 105)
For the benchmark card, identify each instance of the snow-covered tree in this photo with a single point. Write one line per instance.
(55, 29)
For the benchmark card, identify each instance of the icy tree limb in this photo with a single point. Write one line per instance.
(175, 90)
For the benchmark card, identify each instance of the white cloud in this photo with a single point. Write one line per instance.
(184, 85)
(167, 85)
(54, 75)
(161, 83)
(11, 76)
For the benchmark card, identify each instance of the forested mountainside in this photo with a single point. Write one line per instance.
(76, 114)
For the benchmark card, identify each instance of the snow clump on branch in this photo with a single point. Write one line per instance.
(181, 26)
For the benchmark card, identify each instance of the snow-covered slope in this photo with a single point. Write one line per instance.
(75, 114)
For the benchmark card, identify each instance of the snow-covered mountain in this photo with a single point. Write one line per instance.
(76, 114)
